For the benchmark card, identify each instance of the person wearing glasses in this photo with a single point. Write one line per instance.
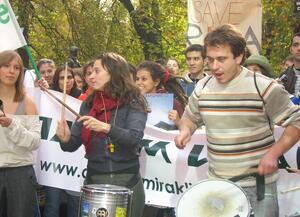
(20, 135)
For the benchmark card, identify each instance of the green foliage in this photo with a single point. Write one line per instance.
(54, 26)
(279, 23)
(174, 27)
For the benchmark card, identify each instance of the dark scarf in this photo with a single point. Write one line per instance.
(102, 108)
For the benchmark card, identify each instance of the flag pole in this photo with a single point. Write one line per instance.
(32, 61)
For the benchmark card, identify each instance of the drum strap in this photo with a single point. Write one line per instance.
(260, 187)
(260, 184)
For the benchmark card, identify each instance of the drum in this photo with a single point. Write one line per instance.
(215, 198)
(99, 200)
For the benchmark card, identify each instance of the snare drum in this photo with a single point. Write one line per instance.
(215, 198)
(99, 200)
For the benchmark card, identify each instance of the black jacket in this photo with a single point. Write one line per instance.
(127, 131)
(290, 80)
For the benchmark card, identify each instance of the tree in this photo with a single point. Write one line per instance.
(279, 23)
(138, 30)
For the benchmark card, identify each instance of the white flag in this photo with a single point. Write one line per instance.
(11, 36)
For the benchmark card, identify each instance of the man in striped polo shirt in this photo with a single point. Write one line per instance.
(239, 109)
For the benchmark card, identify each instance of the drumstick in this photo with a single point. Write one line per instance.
(61, 102)
(64, 92)
(293, 169)
(290, 189)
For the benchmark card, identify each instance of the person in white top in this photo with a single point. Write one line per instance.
(20, 135)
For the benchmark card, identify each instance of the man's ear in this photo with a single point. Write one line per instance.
(239, 59)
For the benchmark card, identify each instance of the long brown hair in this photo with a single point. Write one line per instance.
(5, 58)
(121, 86)
(55, 80)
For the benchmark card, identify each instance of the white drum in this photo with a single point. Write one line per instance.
(214, 198)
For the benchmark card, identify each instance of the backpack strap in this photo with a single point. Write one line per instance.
(206, 82)
(261, 97)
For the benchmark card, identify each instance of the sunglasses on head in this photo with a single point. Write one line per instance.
(44, 61)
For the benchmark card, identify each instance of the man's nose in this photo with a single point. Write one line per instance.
(214, 64)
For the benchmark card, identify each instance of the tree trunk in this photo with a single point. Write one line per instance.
(146, 23)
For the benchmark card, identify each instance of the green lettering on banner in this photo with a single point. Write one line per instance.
(4, 16)
(155, 148)
(194, 156)
(46, 125)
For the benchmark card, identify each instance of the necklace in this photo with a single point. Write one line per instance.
(110, 146)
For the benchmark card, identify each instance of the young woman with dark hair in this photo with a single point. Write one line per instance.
(111, 128)
(153, 78)
(58, 82)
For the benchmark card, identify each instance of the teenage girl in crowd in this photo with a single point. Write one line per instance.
(46, 68)
(53, 195)
(153, 78)
(111, 128)
(79, 79)
(58, 82)
(173, 66)
(87, 70)
(20, 134)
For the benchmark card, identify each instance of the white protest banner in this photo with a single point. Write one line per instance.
(167, 172)
(205, 15)
(11, 36)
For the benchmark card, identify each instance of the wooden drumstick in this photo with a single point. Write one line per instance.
(61, 102)
(290, 189)
(64, 92)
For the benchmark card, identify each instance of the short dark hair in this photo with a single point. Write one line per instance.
(296, 34)
(226, 34)
(195, 47)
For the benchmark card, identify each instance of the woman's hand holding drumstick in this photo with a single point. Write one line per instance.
(93, 124)
(63, 131)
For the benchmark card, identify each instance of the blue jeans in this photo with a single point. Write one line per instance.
(53, 201)
(268, 207)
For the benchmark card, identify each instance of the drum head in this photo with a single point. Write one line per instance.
(215, 198)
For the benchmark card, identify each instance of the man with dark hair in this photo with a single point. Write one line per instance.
(291, 76)
(194, 56)
(239, 109)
